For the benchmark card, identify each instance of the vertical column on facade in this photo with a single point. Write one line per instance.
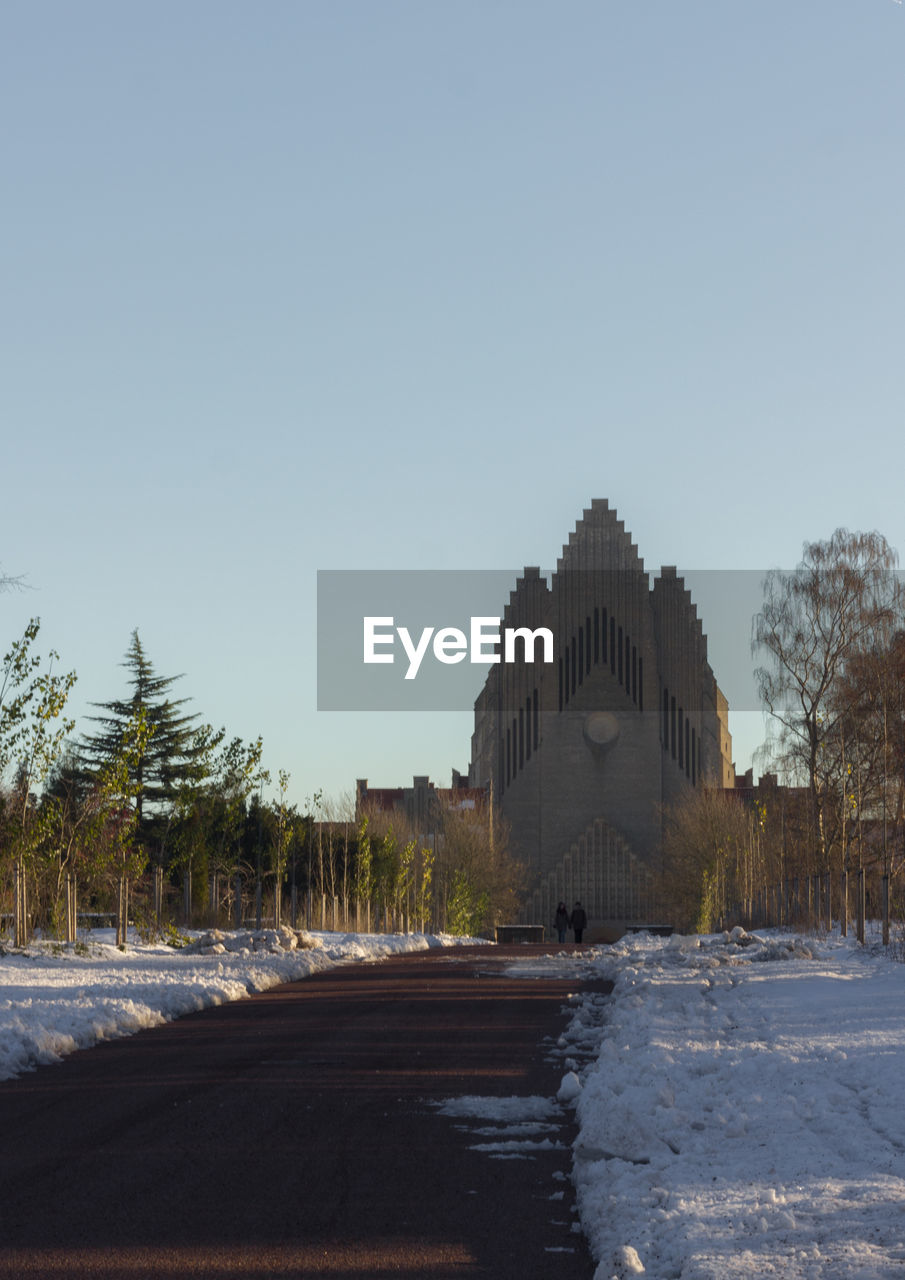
(614, 877)
(605, 877)
(618, 565)
(623, 883)
(615, 894)
(510, 675)
(594, 592)
(572, 594)
(582, 877)
(633, 628)
(565, 617)
(560, 637)
(578, 602)
(616, 889)
(613, 601)
(577, 872)
(617, 553)
(594, 869)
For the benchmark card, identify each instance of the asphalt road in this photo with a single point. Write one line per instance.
(292, 1134)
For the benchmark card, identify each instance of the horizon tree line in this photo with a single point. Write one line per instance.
(154, 815)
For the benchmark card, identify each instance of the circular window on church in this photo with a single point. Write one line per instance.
(601, 730)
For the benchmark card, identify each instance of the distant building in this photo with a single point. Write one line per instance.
(421, 804)
(582, 753)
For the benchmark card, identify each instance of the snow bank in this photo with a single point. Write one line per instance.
(745, 1112)
(57, 998)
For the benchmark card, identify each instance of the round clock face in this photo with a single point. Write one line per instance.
(601, 728)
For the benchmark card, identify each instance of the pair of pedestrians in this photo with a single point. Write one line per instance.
(577, 921)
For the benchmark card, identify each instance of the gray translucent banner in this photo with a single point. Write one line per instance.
(448, 673)
(415, 600)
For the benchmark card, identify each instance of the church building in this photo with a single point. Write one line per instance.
(581, 754)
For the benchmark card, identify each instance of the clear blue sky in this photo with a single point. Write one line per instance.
(404, 285)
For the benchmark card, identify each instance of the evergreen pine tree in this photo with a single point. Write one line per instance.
(168, 754)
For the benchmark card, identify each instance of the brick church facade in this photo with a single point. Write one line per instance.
(581, 754)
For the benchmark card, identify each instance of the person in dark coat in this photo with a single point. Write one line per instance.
(578, 920)
(562, 921)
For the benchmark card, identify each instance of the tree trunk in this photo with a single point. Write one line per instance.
(71, 908)
(20, 936)
(122, 911)
(158, 895)
(213, 900)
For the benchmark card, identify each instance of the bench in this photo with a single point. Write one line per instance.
(519, 933)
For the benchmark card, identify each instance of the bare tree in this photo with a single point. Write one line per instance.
(814, 621)
(714, 859)
(10, 583)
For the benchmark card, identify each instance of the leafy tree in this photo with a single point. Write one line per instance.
(282, 814)
(66, 808)
(467, 908)
(17, 690)
(424, 886)
(41, 739)
(237, 775)
(113, 852)
(386, 866)
(191, 818)
(32, 733)
(364, 862)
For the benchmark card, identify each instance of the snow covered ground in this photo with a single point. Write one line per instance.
(740, 1100)
(742, 1110)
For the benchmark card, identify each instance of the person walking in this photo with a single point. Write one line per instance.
(561, 921)
(578, 920)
